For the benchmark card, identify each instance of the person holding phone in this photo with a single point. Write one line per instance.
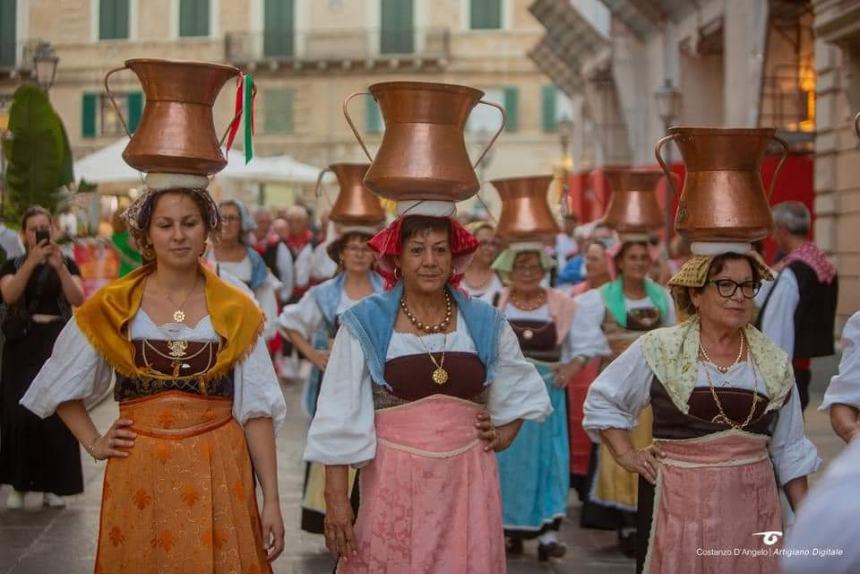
(39, 289)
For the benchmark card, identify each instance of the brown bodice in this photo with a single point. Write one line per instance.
(639, 321)
(411, 379)
(671, 423)
(184, 361)
(538, 339)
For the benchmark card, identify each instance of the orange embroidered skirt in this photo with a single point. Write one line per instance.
(183, 501)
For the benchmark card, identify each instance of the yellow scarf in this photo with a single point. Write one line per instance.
(104, 320)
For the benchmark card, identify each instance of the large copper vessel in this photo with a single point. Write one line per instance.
(724, 197)
(633, 207)
(355, 204)
(176, 133)
(526, 215)
(423, 151)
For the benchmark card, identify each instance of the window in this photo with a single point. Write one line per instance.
(555, 106)
(279, 111)
(397, 30)
(113, 19)
(486, 118)
(193, 18)
(278, 28)
(100, 119)
(374, 124)
(485, 14)
(8, 34)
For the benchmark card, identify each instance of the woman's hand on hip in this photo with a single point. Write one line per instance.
(117, 437)
(496, 438)
(273, 530)
(338, 528)
(643, 461)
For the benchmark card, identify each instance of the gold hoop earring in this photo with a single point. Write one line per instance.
(396, 271)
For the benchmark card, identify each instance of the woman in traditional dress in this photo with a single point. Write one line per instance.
(727, 426)
(480, 279)
(422, 384)
(842, 398)
(39, 289)
(311, 325)
(199, 403)
(607, 321)
(534, 471)
(233, 254)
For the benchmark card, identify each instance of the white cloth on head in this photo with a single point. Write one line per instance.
(75, 371)
(623, 389)
(844, 387)
(343, 431)
(430, 208)
(777, 321)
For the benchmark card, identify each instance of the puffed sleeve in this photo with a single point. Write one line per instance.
(304, 316)
(74, 371)
(256, 391)
(619, 394)
(342, 430)
(518, 391)
(588, 338)
(793, 454)
(844, 387)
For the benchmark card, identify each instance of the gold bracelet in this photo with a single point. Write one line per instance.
(90, 448)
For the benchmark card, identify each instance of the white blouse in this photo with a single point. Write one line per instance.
(76, 371)
(623, 389)
(485, 292)
(590, 340)
(342, 431)
(264, 295)
(844, 388)
(306, 317)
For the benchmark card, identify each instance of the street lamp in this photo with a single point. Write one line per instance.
(668, 100)
(45, 62)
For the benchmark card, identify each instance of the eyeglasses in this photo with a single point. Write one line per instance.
(230, 218)
(357, 249)
(727, 288)
(527, 269)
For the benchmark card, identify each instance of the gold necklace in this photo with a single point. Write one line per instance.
(179, 314)
(420, 325)
(724, 370)
(440, 375)
(722, 417)
(523, 306)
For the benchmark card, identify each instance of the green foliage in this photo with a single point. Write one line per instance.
(38, 155)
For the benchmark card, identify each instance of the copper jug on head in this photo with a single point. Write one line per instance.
(526, 215)
(177, 132)
(633, 206)
(423, 151)
(355, 204)
(724, 197)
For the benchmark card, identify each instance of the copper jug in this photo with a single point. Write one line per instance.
(633, 206)
(423, 151)
(526, 215)
(176, 133)
(724, 197)
(857, 124)
(355, 204)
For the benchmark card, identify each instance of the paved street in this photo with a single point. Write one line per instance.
(38, 541)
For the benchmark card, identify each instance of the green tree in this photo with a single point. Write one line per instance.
(38, 155)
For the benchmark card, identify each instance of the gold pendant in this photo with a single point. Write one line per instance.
(440, 376)
(179, 316)
(177, 348)
(528, 334)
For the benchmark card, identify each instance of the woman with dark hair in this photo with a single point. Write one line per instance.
(727, 425)
(311, 325)
(422, 385)
(39, 290)
(607, 321)
(199, 402)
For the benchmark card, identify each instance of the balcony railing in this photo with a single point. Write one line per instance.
(337, 45)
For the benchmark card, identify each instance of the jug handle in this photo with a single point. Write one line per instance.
(785, 148)
(113, 101)
(496, 135)
(318, 190)
(666, 171)
(857, 124)
(352, 125)
(236, 117)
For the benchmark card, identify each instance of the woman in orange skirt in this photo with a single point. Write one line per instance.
(198, 398)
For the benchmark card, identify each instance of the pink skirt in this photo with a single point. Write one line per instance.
(430, 498)
(715, 497)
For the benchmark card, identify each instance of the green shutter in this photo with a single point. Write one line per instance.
(193, 18)
(8, 33)
(372, 116)
(397, 32)
(278, 28)
(549, 119)
(511, 105)
(135, 108)
(88, 115)
(485, 14)
(279, 111)
(113, 19)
